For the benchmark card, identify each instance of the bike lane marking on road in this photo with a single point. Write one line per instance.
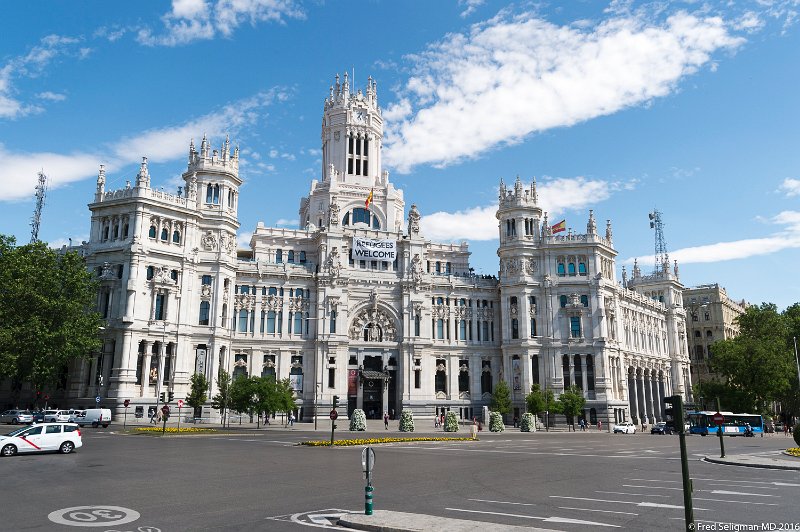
(737, 502)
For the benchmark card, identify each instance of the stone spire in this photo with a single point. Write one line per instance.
(143, 177)
(226, 148)
(534, 194)
(101, 179)
(546, 230)
(518, 187)
(636, 271)
(204, 147)
(609, 233)
(502, 189)
(192, 151)
(624, 277)
(677, 275)
(591, 225)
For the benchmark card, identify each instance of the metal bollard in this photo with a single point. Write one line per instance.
(368, 500)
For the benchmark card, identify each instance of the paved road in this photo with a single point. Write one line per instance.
(260, 480)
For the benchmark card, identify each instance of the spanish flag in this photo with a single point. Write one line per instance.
(369, 199)
(559, 227)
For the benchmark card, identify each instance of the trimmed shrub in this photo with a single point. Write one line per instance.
(451, 422)
(358, 421)
(406, 421)
(496, 422)
(526, 424)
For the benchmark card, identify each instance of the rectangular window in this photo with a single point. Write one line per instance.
(159, 313)
(278, 256)
(207, 280)
(462, 330)
(333, 322)
(440, 329)
(418, 379)
(298, 323)
(575, 326)
(416, 325)
(271, 322)
(331, 377)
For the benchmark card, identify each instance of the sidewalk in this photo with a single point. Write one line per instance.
(779, 460)
(387, 521)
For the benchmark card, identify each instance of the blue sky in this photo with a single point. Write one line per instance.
(620, 107)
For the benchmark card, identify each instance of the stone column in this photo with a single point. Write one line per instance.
(640, 399)
(146, 369)
(634, 409)
(584, 377)
(648, 393)
(571, 363)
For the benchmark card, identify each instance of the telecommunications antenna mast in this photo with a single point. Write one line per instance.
(41, 189)
(661, 244)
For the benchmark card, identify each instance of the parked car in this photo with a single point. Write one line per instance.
(626, 427)
(38, 417)
(61, 437)
(94, 417)
(661, 428)
(56, 416)
(16, 416)
(75, 414)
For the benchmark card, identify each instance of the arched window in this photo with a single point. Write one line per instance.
(565, 371)
(463, 376)
(278, 256)
(346, 219)
(164, 234)
(576, 361)
(575, 326)
(290, 256)
(441, 377)
(116, 231)
(272, 291)
(562, 301)
(590, 373)
(376, 224)
(571, 268)
(561, 271)
(302, 257)
(216, 195)
(209, 194)
(582, 268)
(585, 301)
(152, 233)
(205, 310)
(125, 229)
(361, 215)
(105, 233)
(176, 237)
(486, 378)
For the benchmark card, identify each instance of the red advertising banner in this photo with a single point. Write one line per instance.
(352, 382)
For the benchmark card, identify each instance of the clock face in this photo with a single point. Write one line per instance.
(360, 116)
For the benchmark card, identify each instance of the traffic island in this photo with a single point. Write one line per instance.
(375, 441)
(388, 521)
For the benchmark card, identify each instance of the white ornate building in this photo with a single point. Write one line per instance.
(415, 330)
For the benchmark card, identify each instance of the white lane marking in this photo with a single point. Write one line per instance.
(544, 453)
(644, 503)
(504, 502)
(737, 502)
(590, 510)
(725, 492)
(785, 484)
(295, 518)
(715, 480)
(650, 480)
(634, 494)
(651, 487)
(544, 519)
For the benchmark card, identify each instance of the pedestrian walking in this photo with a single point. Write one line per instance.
(436, 422)
(599, 425)
(291, 419)
(785, 429)
(386, 420)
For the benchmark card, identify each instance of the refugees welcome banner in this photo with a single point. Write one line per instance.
(368, 248)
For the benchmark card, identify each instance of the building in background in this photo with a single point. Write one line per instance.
(710, 317)
(358, 303)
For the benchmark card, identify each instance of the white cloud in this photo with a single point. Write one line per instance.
(192, 20)
(515, 75)
(285, 221)
(472, 5)
(51, 96)
(31, 65)
(19, 169)
(243, 239)
(555, 197)
(789, 238)
(791, 187)
(58, 243)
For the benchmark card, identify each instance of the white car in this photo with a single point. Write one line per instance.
(56, 416)
(61, 437)
(626, 427)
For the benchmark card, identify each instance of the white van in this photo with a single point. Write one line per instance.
(94, 417)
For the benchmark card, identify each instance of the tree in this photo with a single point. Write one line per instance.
(264, 396)
(197, 394)
(571, 403)
(539, 401)
(284, 397)
(757, 363)
(243, 392)
(47, 303)
(501, 398)
(222, 400)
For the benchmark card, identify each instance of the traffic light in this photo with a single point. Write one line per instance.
(335, 401)
(161, 397)
(170, 396)
(673, 411)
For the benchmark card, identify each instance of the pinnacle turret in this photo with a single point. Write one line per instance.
(143, 177)
(101, 179)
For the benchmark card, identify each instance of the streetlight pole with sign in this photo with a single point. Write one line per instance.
(368, 465)
(719, 419)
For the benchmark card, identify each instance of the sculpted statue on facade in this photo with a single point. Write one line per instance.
(333, 219)
(416, 270)
(413, 220)
(208, 241)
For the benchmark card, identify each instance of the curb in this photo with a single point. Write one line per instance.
(760, 466)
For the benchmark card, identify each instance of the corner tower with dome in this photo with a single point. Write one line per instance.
(357, 303)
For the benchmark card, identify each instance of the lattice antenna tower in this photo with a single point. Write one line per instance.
(661, 243)
(41, 189)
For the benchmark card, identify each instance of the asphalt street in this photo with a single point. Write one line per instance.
(262, 480)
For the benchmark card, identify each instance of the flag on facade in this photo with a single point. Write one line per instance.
(559, 227)
(369, 199)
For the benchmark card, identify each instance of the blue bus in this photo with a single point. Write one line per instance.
(703, 423)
